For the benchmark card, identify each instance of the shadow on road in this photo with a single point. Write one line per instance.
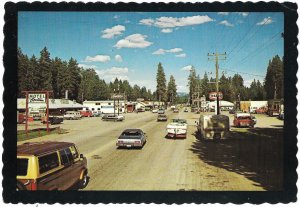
(256, 153)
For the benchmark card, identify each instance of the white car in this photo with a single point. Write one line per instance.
(154, 110)
(132, 138)
(177, 128)
(71, 115)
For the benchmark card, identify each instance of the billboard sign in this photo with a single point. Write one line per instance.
(213, 96)
(36, 98)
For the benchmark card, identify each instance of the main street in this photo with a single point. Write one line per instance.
(244, 162)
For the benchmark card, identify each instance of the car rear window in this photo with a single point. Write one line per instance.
(22, 166)
(131, 135)
(48, 162)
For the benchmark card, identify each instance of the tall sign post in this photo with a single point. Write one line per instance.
(37, 97)
(216, 58)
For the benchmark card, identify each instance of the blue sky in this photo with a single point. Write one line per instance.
(129, 45)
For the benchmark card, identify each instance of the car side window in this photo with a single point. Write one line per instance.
(66, 156)
(48, 162)
(74, 152)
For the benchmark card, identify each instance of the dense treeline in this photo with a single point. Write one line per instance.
(233, 87)
(57, 75)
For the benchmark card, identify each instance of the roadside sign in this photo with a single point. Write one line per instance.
(213, 96)
(37, 98)
(117, 96)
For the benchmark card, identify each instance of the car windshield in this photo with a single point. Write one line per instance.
(244, 117)
(182, 121)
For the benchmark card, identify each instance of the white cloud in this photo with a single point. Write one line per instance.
(97, 58)
(244, 14)
(265, 21)
(112, 73)
(116, 17)
(226, 23)
(87, 66)
(181, 55)
(133, 41)
(175, 50)
(171, 22)
(162, 51)
(148, 22)
(223, 13)
(159, 52)
(109, 33)
(187, 68)
(118, 58)
(166, 30)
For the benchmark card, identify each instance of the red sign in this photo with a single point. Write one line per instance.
(213, 96)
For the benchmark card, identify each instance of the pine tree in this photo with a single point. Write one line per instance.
(45, 75)
(172, 90)
(161, 83)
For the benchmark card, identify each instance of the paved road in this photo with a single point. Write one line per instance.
(163, 164)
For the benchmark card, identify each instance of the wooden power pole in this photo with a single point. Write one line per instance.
(216, 59)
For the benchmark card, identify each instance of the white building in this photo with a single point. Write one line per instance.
(224, 105)
(105, 107)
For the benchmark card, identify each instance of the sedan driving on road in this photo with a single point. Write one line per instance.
(132, 138)
(162, 117)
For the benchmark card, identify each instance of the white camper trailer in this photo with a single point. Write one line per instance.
(213, 126)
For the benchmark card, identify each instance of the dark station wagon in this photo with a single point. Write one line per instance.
(50, 166)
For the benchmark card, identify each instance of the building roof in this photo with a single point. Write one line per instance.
(53, 104)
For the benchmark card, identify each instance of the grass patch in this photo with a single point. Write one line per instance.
(22, 136)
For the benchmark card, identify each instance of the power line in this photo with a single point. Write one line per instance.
(262, 47)
(254, 33)
(238, 72)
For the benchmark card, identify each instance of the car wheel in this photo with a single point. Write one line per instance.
(84, 181)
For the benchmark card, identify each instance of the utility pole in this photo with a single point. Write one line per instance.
(217, 58)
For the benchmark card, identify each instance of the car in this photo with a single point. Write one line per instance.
(96, 114)
(161, 111)
(72, 115)
(154, 110)
(53, 120)
(185, 110)
(177, 128)
(50, 166)
(254, 119)
(112, 117)
(162, 117)
(86, 113)
(243, 120)
(176, 110)
(132, 138)
(281, 115)
(141, 110)
(231, 111)
(261, 110)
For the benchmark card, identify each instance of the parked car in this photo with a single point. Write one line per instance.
(243, 120)
(281, 115)
(141, 110)
(176, 110)
(53, 120)
(185, 110)
(112, 117)
(132, 138)
(86, 113)
(50, 166)
(154, 110)
(96, 114)
(162, 117)
(161, 111)
(254, 119)
(72, 115)
(261, 110)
